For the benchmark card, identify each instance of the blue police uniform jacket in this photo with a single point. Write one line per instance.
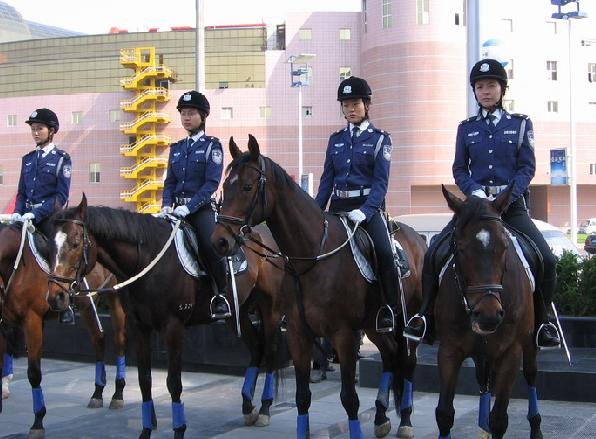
(489, 155)
(364, 164)
(44, 183)
(194, 171)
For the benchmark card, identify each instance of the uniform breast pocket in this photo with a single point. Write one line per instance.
(47, 174)
(364, 155)
(198, 162)
(338, 155)
(474, 147)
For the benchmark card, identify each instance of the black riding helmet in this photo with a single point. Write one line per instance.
(194, 99)
(488, 69)
(352, 88)
(46, 117)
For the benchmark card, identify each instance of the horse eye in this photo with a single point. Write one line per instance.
(247, 187)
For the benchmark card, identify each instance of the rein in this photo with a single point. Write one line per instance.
(17, 261)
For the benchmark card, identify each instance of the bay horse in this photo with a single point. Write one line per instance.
(484, 310)
(324, 296)
(162, 296)
(24, 304)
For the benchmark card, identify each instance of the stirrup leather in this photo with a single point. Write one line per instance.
(546, 348)
(385, 330)
(410, 336)
(220, 316)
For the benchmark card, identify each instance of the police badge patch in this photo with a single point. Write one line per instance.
(531, 138)
(217, 156)
(387, 152)
(66, 171)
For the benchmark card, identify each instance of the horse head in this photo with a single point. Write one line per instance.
(480, 257)
(246, 201)
(73, 254)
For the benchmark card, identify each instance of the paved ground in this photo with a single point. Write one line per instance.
(213, 409)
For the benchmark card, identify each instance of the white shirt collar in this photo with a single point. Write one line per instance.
(498, 113)
(196, 136)
(362, 127)
(46, 149)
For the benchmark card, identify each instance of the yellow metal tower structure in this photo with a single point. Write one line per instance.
(146, 140)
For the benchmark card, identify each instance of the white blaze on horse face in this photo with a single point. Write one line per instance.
(60, 239)
(233, 178)
(484, 237)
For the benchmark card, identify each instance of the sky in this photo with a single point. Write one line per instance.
(98, 16)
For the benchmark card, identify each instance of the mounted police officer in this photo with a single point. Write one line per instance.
(44, 183)
(355, 177)
(493, 150)
(195, 167)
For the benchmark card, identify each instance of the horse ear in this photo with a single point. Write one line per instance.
(503, 199)
(253, 147)
(453, 202)
(234, 150)
(82, 207)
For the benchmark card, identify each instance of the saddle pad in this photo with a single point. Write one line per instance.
(41, 261)
(361, 261)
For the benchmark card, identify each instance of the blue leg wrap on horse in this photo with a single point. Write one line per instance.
(250, 381)
(384, 385)
(355, 431)
(532, 402)
(7, 368)
(38, 403)
(178, 418)
(406, 396)
(149, 420)
(120, 367)
(268, 388)
(483, 411)
(445, 437)
(100, 374)
(302, 429)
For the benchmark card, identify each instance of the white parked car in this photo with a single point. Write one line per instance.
(588, 226)
(556, 239)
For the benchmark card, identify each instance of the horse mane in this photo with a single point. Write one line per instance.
(118, 224)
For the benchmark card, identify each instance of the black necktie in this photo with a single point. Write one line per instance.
(355, 131)
(490, 118)
(39, 154)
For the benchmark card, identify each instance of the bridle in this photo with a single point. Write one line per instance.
(485, 290)
(83, 263)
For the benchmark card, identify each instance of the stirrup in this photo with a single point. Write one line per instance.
(389, 329)
(547, 348)
(413, 337)
(225, 315)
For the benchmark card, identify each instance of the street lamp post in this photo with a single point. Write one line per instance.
(300, 77)
(570, 15)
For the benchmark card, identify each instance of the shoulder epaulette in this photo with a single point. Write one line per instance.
(212, 138)
(469, 119)
(386, 133)
(520, 115)
(339, 131)
(63, 153)
(29, 153)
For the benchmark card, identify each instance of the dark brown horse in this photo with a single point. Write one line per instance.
(484, 310)
(163, 297)
(325, 295)
(24, 304)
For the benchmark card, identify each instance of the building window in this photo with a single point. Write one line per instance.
(76, 117)
(507, 24)
(553, 106)
(422, 12)
(305, 34)
(227, 113)
(1, 176)
(551, 69)
(114, 115)
(223, 84)
(592, 168)
(386, 14)
(345, 33)
(344, 73)
(364, 16)
(265, 112)
(11, 120)
(552, 26)
(94, 173)
(509, 69)
(591, 72)
(306, 111)
(509, 105)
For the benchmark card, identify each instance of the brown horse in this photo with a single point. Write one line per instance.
(162, 296)
(24, 304)
(484, 310)
(326, 294)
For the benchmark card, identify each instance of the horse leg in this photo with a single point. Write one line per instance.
(506, 370)
(143, 337)
(34, 339)
(98, 341)
(255, 347)
(482, 377)
(5, 360)
(174, 338)
(530, 369)
(405, 403)
(118, 318)
(301, 349)
(273, 339)
(449, 361)
(345, 342)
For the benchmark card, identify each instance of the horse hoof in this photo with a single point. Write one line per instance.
(263, 421)
(483, 434)
(383, 429)
(116, 404)
(405, 431)
(251, 418)
(95, 403)
(38, 433)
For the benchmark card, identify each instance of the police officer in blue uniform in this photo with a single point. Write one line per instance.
(355, 177)
(493, 150)
(195, 167)
(44, 183)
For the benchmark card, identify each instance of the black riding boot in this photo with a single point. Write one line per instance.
(547, 335)
(387, 313)
(220, 307)
(421, 326)
(67, 316)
